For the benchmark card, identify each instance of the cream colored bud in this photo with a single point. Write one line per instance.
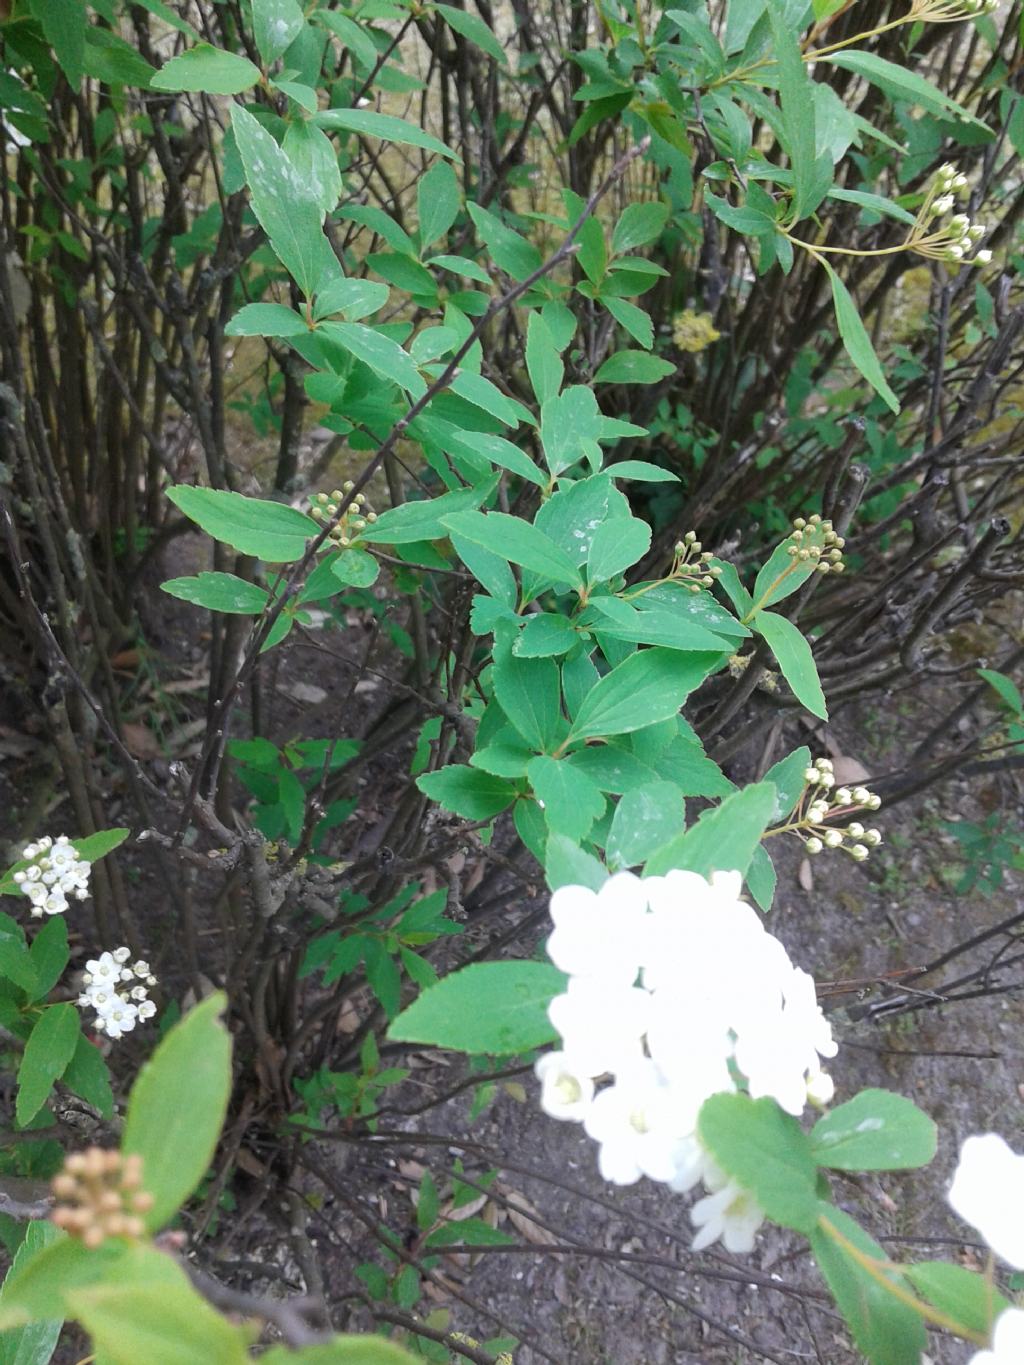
(873, 837)
(813, 844)
(861, 795)
(843, 795)
(348, 486)
(799, 524)
(983, 257)
(859, 852)
(855, 830)
(833, 838)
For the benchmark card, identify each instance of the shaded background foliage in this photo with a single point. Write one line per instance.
(129, 243)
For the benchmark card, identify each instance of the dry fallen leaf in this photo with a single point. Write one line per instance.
(805, 875)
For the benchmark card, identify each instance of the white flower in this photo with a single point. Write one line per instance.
(1007, 1340)
(600, 1025)
(119, 1020)
(597, 933)
(102, 968)
(140, 968)
(121, 955)
(634, 1123)
(146, 1010)
(565, 1093)
(988, 1192)
(55, 869)
(731, 1215)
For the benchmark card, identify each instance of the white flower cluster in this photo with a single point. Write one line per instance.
(676, 991)
(54, 872)
(988, 1192)
(957, 237)
(118, 1005)
(829, 802)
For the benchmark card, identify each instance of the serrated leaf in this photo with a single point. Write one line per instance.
(517, 541)
(570, 800)
(634, 367)
(723, 839)
(766, 1152)
(467, 791)
(275, 25)
(649, 686)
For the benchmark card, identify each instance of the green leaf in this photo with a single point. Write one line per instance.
(271, 531)
(49, 954)
(528, 692)
(498, 451)
(743, 219)
(355, 299)
(150, 1312)
(856, 340)
(639, 224)
(15, 960)
(796, 94)
(645, 818)
(207, 69)
(473, 28)
(875, 1131)
(566, 864)
(1006, 687)
(778, 577)
(275, 25)
(424, 520)
(473, 794)
(383, 355)
(642, 471)
(438, 200)
(766, 1152)
(649, 686)
(897, 81)
(498, 1008)
(887, 1331)
(571, 801)
(616, 546)
(87, 1075)
(64, 23)
(287, 206)
(723, 839)
(633, 367)
(508, 250)
(351, 35)
(761, 878)
(355, 568)
(517, 541)
(223, 592)
(787, 777)
(969, 1298)
(34, 1343)
(266, 320)
(636, 322)
(543, 361)
(385, 126)
(177, 1107)
(545, 634)
(794, 658)
(36, 1290)
(404, 272)
(50, 1047)
(96, 846)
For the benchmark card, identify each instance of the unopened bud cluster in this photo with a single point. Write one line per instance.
(942, 233)
(355, 518)
(691, 564)
(99, 1194)
(826, 802)
(117, 992)
(814, 542)
(55, 871)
